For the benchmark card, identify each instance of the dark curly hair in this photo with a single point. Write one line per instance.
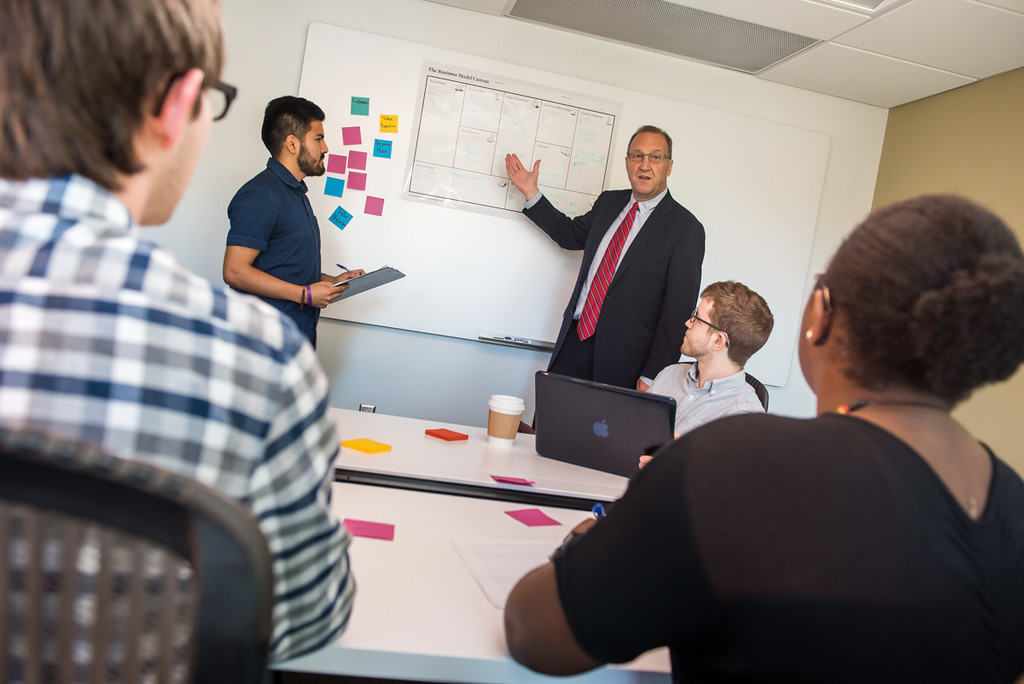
(929, 294)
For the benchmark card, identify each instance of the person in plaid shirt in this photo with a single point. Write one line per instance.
(104, 337)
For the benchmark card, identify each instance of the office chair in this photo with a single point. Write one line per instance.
(760, 390)
(112, 570)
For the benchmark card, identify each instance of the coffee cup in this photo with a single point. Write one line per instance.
(503, 419)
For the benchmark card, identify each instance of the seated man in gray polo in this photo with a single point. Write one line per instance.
(730, 323)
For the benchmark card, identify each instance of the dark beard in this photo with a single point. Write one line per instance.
(308, 165)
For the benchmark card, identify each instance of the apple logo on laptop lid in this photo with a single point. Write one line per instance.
(601, 429)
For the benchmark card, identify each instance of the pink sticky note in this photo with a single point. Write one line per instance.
(356, 180)
(351, 135)
(374, 206)
(336, 163)
(372, 530)
(357, 160)
(511, 480)
(532, 517)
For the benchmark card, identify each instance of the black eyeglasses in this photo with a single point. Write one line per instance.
(695, 317)
(219, 96)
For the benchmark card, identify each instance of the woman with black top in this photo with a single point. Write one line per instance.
(878, 542)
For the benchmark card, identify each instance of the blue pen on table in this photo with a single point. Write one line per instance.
(598, 510)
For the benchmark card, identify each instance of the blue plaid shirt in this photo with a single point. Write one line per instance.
(106, 339)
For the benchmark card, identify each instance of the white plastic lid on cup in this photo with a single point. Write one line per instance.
(503, 403)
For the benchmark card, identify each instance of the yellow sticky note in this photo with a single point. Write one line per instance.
(367, 446)
(388, 123)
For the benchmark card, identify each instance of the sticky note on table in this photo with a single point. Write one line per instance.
(374, 206)
(382, 148)
(369, 529)
(512, 480)
(446, 434)
(532, 517)
(356, 180)
(340, 218)
(336, 163)
(357, 160)
(388, 123)
(335, 187)
(351, 135)
(360, 106)
(367, 446)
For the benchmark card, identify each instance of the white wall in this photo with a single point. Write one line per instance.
(448, 379)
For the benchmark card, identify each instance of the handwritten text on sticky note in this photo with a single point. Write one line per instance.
(382, 148)
(340, 218)
(360, 106)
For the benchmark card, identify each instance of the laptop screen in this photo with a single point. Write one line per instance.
(599, 426)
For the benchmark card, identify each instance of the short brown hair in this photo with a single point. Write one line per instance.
(77, 77)
(651, 129)
(743, 314)
(927, 294)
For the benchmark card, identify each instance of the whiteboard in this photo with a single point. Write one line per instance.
(467, 121)
(754, 184)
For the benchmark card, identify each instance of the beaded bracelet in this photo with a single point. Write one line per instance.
(302, 299)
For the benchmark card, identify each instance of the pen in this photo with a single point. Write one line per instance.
(598, 511)
(341, 267)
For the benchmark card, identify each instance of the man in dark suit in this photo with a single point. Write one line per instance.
(642, 256)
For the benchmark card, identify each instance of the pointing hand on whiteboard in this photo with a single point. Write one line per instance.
(525, 181)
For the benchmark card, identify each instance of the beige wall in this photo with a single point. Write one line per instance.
(969, 141)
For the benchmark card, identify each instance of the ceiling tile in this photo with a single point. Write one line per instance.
(803, 17)
(862, 76)
(1014, 5)
(960, 36)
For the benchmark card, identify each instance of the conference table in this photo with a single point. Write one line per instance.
(429, 601)
(422, 614)
(415, 460)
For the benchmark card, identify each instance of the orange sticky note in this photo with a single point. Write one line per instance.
(367, 446)
(446, 434)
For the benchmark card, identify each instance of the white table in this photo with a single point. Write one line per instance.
(419, 614)
(419, 461)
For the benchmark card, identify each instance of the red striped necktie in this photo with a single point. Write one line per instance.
(603, 278)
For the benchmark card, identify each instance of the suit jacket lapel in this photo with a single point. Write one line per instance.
(652, 229)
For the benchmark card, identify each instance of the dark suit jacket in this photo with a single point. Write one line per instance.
(655, 287)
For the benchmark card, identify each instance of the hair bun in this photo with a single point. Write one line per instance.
(967, 327)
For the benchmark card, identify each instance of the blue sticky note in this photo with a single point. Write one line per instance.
(360, 106)
(340, 218)
(382, 148)
(334, 186)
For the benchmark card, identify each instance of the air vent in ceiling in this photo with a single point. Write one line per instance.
(669, 28)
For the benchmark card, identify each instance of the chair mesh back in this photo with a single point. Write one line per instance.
(81, 602)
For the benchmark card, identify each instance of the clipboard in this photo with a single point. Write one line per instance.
(370, 280)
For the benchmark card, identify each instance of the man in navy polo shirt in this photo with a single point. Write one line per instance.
(273, 245)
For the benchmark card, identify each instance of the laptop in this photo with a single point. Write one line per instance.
(599, 426)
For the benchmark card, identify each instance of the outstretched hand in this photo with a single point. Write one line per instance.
(525, 181)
